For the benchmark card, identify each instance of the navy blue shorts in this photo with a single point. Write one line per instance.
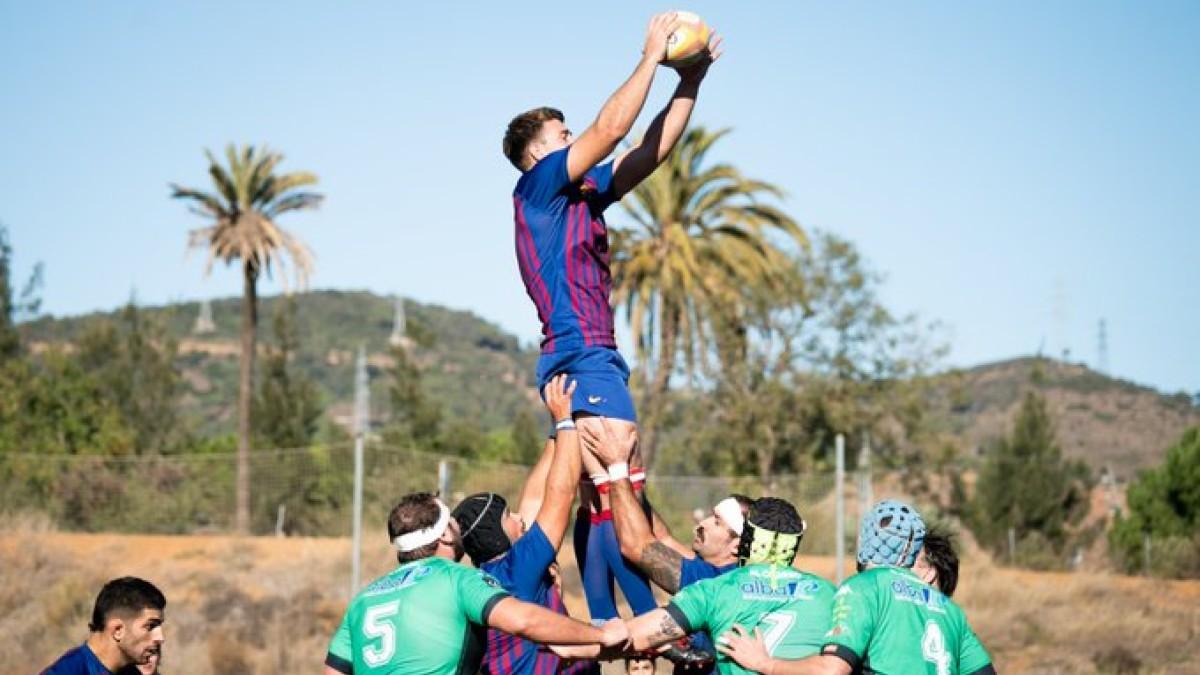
(603, 378)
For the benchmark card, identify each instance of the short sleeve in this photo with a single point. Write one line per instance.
(604, 194)
(692, 604)
(478, 593)
(340, 655)
(527, 563)
(972, 657)
(853, 620)
(696, 569)
(541, 184)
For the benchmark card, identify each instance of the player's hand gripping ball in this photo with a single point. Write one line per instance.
(689, 43)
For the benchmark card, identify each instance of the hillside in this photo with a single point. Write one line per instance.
(469, 365)
(1104, 421)
(478, 372)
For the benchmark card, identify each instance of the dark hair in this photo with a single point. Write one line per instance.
(638, 656)
(524, 128)
(776, 515)
(414, 512)
(941, 556)
(127, 595)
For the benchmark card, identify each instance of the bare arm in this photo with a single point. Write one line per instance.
(563, 477)
(534, 489)
(543, 626)
(621, 110)
(331, 671)
(638, 543)
(635, 164)
(750, 652)
(663, 534)
(653, 629)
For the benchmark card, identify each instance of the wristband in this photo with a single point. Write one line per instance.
(618, 471)
(565, 425)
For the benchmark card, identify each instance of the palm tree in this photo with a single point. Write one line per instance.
(249, 197)
(702, 248)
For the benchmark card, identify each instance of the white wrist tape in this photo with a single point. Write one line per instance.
(618, 471)
(563, 425)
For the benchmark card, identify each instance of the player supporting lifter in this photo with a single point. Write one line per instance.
(521, 559)
(428, 615)
(563, 253)
(886, 620)
(666, 561)
(791, 605)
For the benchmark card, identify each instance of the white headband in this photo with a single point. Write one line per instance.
(423, 537)
(731, 512)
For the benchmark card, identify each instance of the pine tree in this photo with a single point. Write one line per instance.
(415, 421)
(1026, 485)
(287, 409)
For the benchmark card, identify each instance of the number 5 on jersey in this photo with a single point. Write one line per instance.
(376, 625)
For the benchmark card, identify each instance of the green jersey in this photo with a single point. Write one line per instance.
(790, 607)
(428, 616)
(887, 621)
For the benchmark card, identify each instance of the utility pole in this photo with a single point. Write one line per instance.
(362, 411)
(839, 500)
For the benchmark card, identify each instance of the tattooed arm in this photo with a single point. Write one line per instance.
(662, 564)
(653, 629)
(657, 560)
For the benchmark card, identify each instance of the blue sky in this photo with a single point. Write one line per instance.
(981, 156)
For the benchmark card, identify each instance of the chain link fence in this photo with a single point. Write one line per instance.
(307, 491)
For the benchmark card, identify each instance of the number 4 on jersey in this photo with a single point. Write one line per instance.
(933, 648)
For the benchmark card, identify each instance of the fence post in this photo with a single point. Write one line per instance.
(1012, 546)
(361, 412)
(839, 499)
(866, 495)
(444, 480)
(1146, 553)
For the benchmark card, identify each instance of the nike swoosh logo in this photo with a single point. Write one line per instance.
(595, 399)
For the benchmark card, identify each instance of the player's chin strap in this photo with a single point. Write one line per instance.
(412, 541)
(760, 545)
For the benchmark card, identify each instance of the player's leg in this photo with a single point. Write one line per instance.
(597, 579)
(633, 584)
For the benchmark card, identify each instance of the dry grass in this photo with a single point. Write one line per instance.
(264, 605)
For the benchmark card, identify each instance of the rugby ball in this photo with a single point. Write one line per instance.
(689, 42)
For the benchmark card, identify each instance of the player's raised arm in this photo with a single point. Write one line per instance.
(662, 532)
(563, 477)
(621, 110)
(635, 164)
(634, 534)
(534, 490)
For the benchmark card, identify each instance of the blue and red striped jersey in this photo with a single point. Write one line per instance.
(524, 571)
(562, 252)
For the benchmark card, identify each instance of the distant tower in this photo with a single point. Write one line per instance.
(204, 321)
(399, 336)
(1102, 348)
(1060, 318)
